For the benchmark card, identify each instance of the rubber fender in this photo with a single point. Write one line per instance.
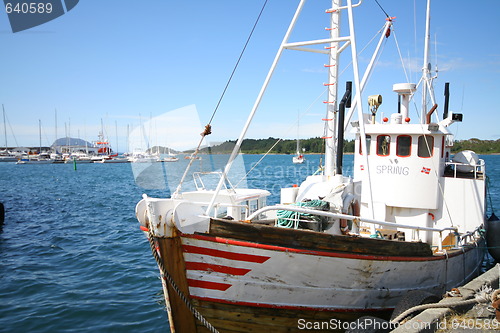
(493, 236)
(412, 299)
(2, 213)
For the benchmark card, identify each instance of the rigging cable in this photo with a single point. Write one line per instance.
(208, 127)
(387, 15)
(279, 140)
(237, 63)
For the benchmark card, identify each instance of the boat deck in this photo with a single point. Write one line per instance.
(315, 241)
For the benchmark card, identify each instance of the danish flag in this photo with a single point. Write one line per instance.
(426, 170)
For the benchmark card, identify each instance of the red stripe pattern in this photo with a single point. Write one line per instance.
(225, 254)
(201, 266)
(208, 285)
(207, 267)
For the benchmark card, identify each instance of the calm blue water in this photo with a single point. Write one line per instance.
(72, 256)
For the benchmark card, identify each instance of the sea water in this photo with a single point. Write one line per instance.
(72, 257)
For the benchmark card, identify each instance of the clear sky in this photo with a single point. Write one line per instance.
(121, 62)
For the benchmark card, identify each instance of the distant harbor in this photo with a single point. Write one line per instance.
(74, 150)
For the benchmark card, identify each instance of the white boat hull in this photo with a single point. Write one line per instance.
(270, 276)
(254, 285)
(298, 160)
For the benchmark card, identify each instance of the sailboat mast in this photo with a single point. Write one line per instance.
(426, 68)
(116, 132)
(55, 118)
(331, 118)
(298, 126)
(4, 127)
(40, 135)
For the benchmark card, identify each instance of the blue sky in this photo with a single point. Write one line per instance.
(123, 62)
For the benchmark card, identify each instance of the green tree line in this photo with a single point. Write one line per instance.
(316, 145)
(260, 146)
(478, 146)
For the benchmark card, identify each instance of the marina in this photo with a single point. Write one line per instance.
(364, 210)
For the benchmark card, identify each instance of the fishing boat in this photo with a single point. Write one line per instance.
(335, 247)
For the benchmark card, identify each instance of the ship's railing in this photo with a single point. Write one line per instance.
(357, 219)
(470, 236)
(216, 209)
(476, 170)
(200, 184)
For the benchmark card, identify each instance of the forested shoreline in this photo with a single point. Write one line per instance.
(316, 146)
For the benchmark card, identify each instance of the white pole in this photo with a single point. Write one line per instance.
(255, 107)
(368, 71)
(331, 122)
(357, 99)
(427, 65)
(4, 127)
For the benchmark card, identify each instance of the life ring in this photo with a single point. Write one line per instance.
(352, 209)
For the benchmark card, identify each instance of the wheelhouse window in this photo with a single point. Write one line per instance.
(383, 145)
(368, 143)
(253, 205)
(403, 146)
(425, 146)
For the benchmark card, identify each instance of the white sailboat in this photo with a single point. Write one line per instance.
(171, 157)
(336, 247)
(6, 155)
(41, 157)
(299, 155)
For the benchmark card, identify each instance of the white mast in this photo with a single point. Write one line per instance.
(55, 118)
(301, 46)
(298, 126)
(331, 119)
(116, 132)
(4, 127)
(427, 66)
(40, 135)
(255, 106)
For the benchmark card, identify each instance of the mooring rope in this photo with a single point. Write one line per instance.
(482, 297)
(166, 275)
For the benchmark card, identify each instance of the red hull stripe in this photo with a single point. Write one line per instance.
(222, 240)
(208, 285)
(286, 307)
(201, 266)
(225, 254)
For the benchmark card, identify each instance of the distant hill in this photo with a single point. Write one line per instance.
(71, 142)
